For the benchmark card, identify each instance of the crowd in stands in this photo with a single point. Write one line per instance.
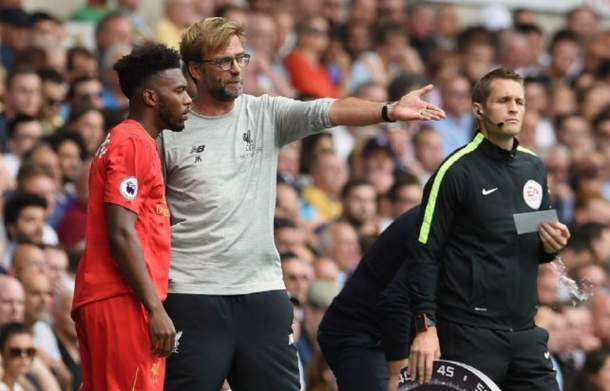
(336, 191)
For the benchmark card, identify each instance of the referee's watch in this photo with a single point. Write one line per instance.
(423, 322)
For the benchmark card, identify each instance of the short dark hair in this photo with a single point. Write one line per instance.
(19, 71)
(10, 329)
(563, 35)
(80, 80)
(49, 74)
(144, 63)
(60, 137)
(354, 183)
(17, 203)
(18, 120)
(482, 88)
(75, 52)
(403, 180)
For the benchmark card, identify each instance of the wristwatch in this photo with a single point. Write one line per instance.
(423, 322)
(384, 112)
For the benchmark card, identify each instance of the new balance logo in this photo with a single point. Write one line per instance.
(197, 149)
(488, 192)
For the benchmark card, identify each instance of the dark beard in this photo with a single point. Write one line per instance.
(166, 116)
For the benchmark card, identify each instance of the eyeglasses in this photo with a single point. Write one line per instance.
(226, 63)
(19, 352)
(53, 102)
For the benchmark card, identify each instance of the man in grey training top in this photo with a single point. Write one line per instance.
(226, 288)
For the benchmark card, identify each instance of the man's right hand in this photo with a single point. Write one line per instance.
(424, 350)
(162, 332)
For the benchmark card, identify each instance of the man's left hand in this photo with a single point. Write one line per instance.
(554, 236)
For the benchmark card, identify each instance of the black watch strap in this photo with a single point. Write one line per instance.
(384, 112)
(423, 322)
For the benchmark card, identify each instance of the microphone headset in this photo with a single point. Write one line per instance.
(499, 124)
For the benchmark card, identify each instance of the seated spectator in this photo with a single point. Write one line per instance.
(24, 132)
(309, 73)
(88, 122)
(71, 230)
(359, 200)
(339, 242)
(329, 174)
(17, 351)
(12, 300)
(65, 331)
(24, 222)
(595, 375)
(92, 12)
(27, 258)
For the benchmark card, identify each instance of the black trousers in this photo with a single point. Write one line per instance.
(246, 339)
(514, 360)
(357, 361)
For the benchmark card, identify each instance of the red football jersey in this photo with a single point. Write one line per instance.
(126, 171)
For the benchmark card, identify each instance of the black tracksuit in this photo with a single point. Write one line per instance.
(364, 327)
(469, 261)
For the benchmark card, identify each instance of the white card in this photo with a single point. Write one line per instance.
(529, 222)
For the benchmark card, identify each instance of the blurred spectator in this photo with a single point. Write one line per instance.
(17, 351)
(265, 75)
(38, 295)
(319, 297)
(476, 50)
(563, 65)
(421, 23)
(297, 275)
(15, 35)
(12, 300)
(514, 52)
(38, 179)
(447, 26)
(71, 230)
(114, 29)
(583, 22)
(80, 62)
(326, 270)
(112, 97)
(65, 332)
(289, 238)
(600, 311)
(405, 193)
(56, 261)
(339, 242)
(86, 90)
(457, 129)
(71, 152)
(88, 122)
(91, 12)
(23, 96)
(594, 101)
(558, 163)
(329, 175)
(536, 56)
(47, 30)
(523, 16)
(24, 132)
(362, 12)
(359, 200)
(306, 63)
(24, 221)
(574, 132)
(548, 285)
(390, 55)
(595, 374)
(141, 30)
(28, 258)
(378, 164)
(54, 92)
(178, 15)
(428, 150)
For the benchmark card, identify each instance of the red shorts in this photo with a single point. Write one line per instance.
(114, 343)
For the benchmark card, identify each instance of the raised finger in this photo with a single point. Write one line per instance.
(424, 90)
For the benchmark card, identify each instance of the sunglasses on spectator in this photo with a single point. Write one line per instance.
(53, 102)
(226, 63)
(19, 352)
(316, 31)
(295, 277)
(90, 95)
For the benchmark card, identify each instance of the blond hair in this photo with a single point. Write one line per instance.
(208, 36)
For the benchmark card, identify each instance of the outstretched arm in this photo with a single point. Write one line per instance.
(411, 107)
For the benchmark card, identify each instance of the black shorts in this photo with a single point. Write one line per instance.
(514, 360)
(246, 339)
